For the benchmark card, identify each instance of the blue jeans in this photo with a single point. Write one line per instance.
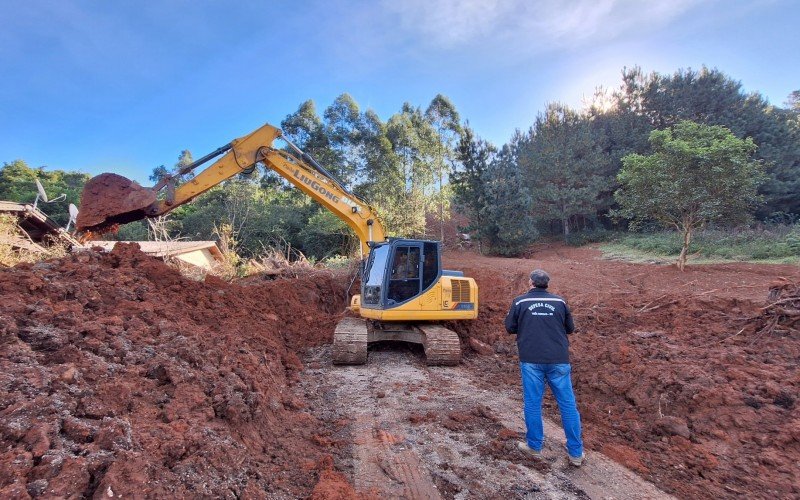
(557, 376)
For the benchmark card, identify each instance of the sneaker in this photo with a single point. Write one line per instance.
(523, 446)
(577, 461)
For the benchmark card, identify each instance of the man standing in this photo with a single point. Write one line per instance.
(541, 321)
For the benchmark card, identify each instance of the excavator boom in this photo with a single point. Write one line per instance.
(110, 199)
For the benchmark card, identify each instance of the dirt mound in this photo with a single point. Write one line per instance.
(109, 199)
(675, 374)
(119, 376)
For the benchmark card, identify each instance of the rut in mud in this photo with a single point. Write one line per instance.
(402, 429)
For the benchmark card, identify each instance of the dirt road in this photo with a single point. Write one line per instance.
(406, 430)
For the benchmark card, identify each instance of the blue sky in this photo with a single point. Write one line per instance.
(123, 86)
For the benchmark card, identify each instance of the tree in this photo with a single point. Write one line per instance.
(414, 141)
(711, 97)
(442, 115)
(793, 102)
(342, 128)
(17, 183)
(184, 159)
(237, 203)
(474, 156)
(697, 174)
(306, 130)
(382, 179)
(506, 223)
(326, 235)
(565, 166)
(159, 173)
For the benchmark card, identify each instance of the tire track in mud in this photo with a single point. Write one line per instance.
(402, 429)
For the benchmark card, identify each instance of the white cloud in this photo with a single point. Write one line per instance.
(452, 24)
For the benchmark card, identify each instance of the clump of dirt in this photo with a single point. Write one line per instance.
(685, 386)
(110, 199)
(333, 485)
(120, 377)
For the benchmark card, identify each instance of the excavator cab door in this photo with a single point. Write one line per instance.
(398, 271)
(405, 277)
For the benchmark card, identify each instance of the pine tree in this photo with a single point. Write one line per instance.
(565, 166)
(474, 156)
(506, 224)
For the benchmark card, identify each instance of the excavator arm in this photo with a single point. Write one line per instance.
(132, 202)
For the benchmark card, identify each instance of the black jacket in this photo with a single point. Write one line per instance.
(541, 322)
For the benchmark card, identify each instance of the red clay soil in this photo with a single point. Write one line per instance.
(109, 199)
(118, 376)
(675, 373)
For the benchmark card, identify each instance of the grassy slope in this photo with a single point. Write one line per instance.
(624, 252)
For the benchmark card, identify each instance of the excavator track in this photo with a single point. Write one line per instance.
(352, 335)
(442, 346)
(350, 342)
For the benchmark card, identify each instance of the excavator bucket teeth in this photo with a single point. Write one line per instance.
(350, 342)
(111, 199)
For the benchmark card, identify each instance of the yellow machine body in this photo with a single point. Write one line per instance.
(439, 303)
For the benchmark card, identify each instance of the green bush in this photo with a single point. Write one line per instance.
(588, 236)
(662, 243)
(793, 239)
(325, 235)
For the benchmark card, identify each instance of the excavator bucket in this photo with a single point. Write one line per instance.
(110, 199)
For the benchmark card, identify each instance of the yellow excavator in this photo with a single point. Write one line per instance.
(404, 290)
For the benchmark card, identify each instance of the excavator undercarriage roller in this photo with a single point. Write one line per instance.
(352, 336)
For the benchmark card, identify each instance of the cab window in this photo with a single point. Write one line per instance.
(430, 269)
(374, 274)
(404, 281)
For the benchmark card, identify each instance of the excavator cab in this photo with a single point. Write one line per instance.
(398, 271)
(403, 280)
(403, 292)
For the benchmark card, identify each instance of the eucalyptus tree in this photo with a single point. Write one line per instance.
(442, 115)
(342, 127)
(414, 141)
